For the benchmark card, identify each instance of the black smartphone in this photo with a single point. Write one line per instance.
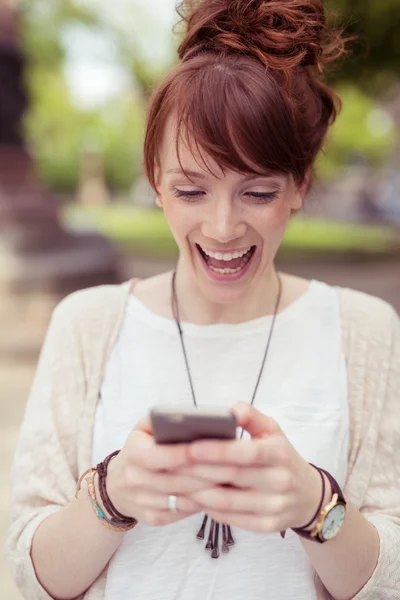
(177, 425)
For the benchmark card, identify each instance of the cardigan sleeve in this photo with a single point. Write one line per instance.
(44, 471)
(382, 503)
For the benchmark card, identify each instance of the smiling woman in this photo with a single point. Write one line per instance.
(218, 215)
(233, 133)
(305, 503)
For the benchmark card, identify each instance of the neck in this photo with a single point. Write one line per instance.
(194, 307)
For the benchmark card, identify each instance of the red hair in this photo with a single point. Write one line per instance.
(248, 90)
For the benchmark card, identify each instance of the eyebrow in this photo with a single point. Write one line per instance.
(198, 175)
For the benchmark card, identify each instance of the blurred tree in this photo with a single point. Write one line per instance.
(13, 100)
(35, 251)
(57, 129)
(374, 62)
(375, 57)
(364, 131)
(17, 177)
(43, 26)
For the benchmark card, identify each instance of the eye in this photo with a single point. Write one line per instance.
(262, 197)
(188, 195)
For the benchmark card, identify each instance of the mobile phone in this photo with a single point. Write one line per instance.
(177, 425)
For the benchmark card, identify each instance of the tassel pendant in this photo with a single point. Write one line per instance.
(231, 541)
(213, 537)
(215, 550)
(225, 547)
(202, 530)
(210, 542)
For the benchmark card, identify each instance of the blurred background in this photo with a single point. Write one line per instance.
(76, 210)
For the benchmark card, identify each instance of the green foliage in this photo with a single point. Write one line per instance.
(362, 130)
(43, 23)
(120, 128)
(53, 129)
(144, 231)
(374, 61)
(58, 131)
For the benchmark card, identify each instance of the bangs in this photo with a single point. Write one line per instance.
(232, 112)
(219, 118)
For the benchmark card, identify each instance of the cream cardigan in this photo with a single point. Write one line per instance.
(56, 436)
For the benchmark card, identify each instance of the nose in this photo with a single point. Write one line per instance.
(223, 223)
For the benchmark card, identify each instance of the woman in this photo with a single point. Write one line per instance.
(311, 372)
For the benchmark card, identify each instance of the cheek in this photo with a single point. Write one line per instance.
(180, 220)
(274, 221)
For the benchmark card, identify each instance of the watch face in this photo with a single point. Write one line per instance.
(333, 522)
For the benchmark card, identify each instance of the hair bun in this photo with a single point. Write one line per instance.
(282, 34)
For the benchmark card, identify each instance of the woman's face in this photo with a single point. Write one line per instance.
(228, 226)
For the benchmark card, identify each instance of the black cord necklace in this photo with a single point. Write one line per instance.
(213, 537)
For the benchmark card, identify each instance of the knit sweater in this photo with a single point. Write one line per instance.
(55, 441)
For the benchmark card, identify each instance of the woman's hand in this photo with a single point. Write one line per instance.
(142, 477)
(261, 484)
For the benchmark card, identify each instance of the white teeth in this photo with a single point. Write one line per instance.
(226, 256)
(226, 271)
(230, 271)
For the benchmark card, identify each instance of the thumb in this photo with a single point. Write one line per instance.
(254, 422)
(144, 426)
(142, 433)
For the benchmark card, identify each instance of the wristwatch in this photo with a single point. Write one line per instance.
(331, 517)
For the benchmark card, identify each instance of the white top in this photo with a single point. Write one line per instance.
(304, 387)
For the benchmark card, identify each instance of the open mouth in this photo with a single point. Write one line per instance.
(227, 264)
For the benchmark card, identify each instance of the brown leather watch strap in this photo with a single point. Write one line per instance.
(317, 512)
(335, 486)
(320, 504)
(302, 532)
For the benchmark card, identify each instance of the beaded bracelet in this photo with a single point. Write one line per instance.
(113, 525)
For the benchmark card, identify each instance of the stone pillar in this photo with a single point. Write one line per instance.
(37, 254)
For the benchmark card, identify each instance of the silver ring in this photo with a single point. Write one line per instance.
(172, 504)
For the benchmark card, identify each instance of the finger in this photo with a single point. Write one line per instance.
(273, 479)
(150, 501)
(242, 452)
(255, 422)
(146, 454)
(214, 474)
(144, 425)
(227, 500)
(176, 483)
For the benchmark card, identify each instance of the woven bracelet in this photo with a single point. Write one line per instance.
(102, 470)
(109, 523)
